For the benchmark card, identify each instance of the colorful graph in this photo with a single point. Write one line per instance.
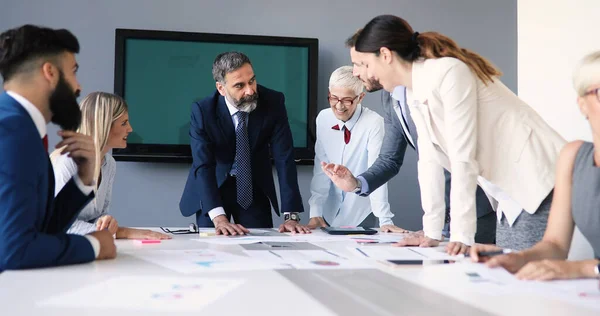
(207, 264)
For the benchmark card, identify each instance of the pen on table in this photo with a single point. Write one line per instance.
(487, 253)
(362, 252)
(275, 254)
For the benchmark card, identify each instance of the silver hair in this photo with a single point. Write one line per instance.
(226, 63)
(343, 78)
(587, 73)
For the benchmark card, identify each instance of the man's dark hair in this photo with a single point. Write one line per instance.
(22, 47)
(351, 41)
(227, 62)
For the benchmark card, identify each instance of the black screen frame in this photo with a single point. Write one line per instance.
(182, 153)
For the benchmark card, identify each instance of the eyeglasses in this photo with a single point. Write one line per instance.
(595, 91)
(192, 229)
(333, 100)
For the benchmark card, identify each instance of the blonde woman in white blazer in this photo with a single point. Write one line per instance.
(470, 123)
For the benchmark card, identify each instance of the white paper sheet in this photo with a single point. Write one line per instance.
(481, 279)
(381, 238)
(151, 293)
(309, 259)
(240, 240)
(203, 260)
(388, 252)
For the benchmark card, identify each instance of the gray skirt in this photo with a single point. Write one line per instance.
(527, 230)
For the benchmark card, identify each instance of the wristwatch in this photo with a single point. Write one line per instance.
(597, 270)
(358, 187)
(291, 216)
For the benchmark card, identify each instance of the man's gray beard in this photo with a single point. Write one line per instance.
(246, 107)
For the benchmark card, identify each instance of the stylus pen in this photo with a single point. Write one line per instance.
(488, 253)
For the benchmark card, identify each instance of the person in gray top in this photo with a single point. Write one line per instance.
(576, 201)
(106, 119)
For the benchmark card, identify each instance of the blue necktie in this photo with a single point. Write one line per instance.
(243, 161)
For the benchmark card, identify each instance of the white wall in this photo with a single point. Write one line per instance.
(553, 35)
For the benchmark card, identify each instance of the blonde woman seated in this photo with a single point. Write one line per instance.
(105, 119)
(576, 199)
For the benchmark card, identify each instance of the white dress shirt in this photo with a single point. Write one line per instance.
(40, 124)
(64, 169)
(219, 210)
(366, 136)
(399, 95)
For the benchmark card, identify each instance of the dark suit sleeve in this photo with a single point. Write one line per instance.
(392, 152)
(282, 149)
(204, 164)
(22, 243)
(67, 205)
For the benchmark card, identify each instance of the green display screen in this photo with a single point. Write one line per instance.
(162, 78)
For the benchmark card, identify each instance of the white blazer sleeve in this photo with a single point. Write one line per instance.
(458, 93)
(380, 205)
(432, 184)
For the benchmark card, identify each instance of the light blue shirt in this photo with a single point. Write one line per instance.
(399, 95)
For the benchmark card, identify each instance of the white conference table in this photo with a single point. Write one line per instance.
(377, 291)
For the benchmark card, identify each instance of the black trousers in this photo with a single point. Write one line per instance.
(258, 215)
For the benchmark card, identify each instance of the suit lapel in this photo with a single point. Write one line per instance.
(49, 197)
(255, 124)
(226, 123)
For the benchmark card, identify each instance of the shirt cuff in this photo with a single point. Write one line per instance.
(315, 212)
(95, 244)
(217, 211)
(434, 235)
(463, 238)
(364, 185)
(385, 221)
(85, 189)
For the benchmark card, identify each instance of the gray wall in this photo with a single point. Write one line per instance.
(147, 194)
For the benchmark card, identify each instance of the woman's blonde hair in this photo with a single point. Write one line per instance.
(587, 73)
(397, 35)
(99, 110)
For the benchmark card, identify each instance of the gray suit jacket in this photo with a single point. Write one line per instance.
(392, 153)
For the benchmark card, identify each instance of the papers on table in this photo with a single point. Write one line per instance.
(164, 294)
(203, 260)
(400, 253)
(240, 240)
(266, 235)
(308, 259)
(459, 279)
